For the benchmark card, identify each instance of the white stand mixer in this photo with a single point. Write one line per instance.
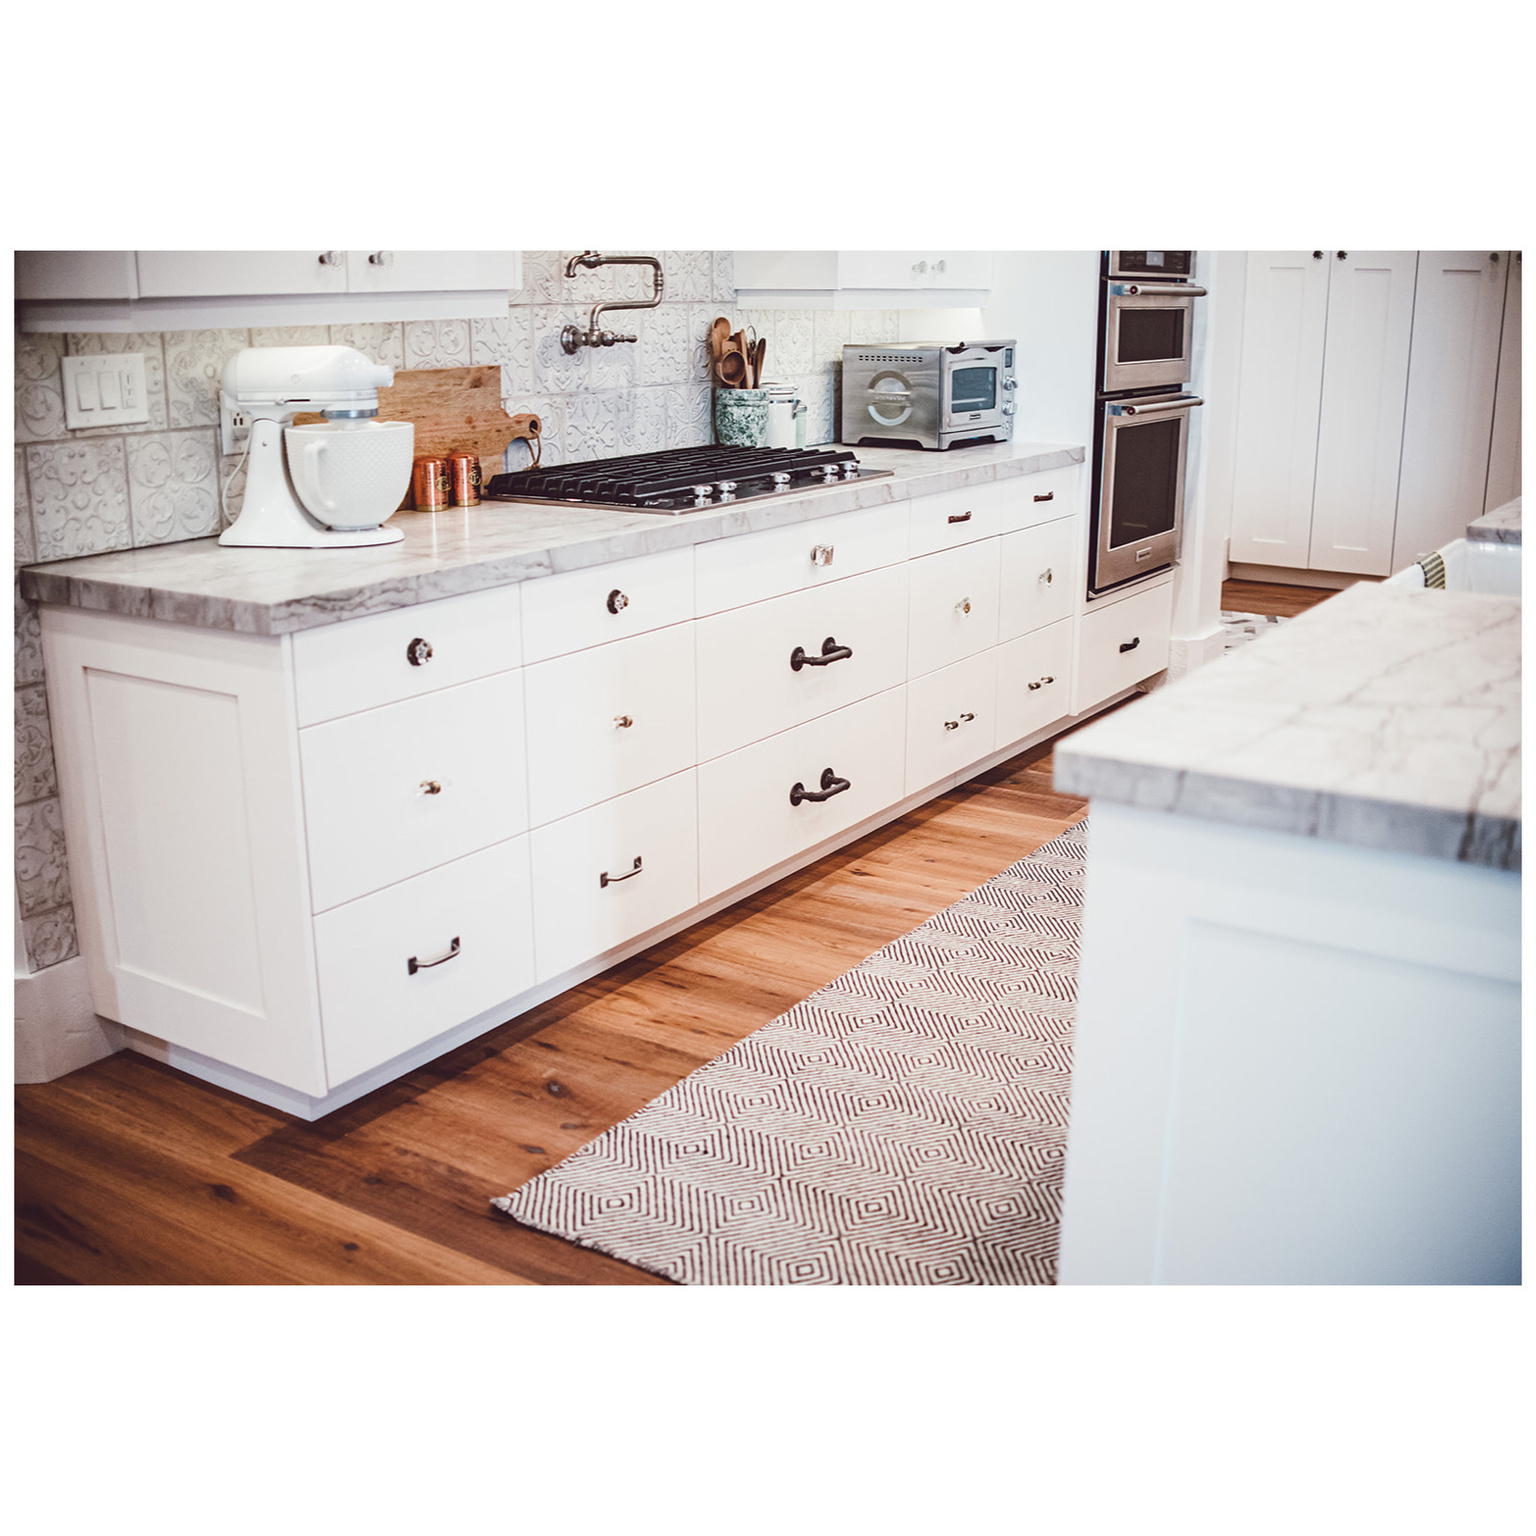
(334, 486)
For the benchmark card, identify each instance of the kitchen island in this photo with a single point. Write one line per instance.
(1298, 1035)
(331, 813)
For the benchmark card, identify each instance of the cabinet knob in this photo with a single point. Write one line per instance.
(331, 258)
(418, 652)
(821, 554)
(623, 722)
(1343, 255)
(919, 267)
(617, 602)
(1048, 575)
(941, 266)
(1493, 255)
(431, 787)
(381, 258)
(1317, 255)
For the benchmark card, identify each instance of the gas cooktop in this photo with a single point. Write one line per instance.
(683, 479)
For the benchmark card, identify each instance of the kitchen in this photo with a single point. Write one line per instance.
(157, 480)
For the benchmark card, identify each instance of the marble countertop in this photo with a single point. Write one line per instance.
(1384, 717)
(277, 591)
(1501, 526)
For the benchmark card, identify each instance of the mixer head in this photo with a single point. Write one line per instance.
(274, 382)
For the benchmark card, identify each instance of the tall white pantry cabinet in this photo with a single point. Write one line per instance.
(1366, 404)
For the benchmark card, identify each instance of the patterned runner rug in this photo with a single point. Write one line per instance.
(905, 1125)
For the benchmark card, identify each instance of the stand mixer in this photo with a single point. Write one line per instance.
(313, 487)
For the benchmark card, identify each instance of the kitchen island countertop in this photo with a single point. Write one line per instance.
(1385, 718)
(443, 554)
(1500, 526)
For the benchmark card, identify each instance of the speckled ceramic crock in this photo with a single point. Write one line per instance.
(741, 417)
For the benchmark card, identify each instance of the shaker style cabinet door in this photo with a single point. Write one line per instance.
(1504, 455)
(1285, 314)
(433, 271)
(1458, 315)
(214, 274)
(1360, 434)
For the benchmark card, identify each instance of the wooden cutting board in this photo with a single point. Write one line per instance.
(453, 410)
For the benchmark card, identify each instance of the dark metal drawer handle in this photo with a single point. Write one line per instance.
(1130, 645)
(954, 725)
(1049, 496)
(413, 964)
(605, 879)
(962, 517)
(830, 651)
(617, 601)
(830, 785)
(418, 653)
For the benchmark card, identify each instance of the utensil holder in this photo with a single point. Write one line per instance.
(741, 417)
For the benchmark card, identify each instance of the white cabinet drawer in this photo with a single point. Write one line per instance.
(950, 719)
(607, 720)
(948, 518)
(731, 573)
(1042, 498)
(1039, 576)
(625, 597)
(371, 814)
(749, 685)
(747, 819)
(1121, 644)
(1034, 681)
(362, 663)
(468, 930)
(953, 610)
(614, 871)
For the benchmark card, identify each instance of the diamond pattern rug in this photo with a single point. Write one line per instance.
(905, 1125)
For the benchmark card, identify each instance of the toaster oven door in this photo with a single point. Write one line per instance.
(889, 396)
(974, 396)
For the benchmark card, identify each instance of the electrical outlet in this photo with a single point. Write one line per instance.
(105, 390)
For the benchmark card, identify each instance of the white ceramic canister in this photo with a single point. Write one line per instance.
(781, 414)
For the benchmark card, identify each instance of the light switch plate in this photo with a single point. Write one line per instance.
(105, 390)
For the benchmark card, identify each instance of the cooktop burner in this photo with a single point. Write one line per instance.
(683, 479)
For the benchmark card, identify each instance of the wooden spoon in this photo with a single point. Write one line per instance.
(732, 370)
(757, 362)
(717, 334)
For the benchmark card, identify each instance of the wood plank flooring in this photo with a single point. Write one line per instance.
(129, 1172)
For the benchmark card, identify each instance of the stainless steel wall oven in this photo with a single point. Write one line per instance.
(1142, 413)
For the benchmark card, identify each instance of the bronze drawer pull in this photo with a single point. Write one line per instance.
(1041, 684)
(830, 651)
(962, 517)
(605, 879)
(830, 785)
(413, 964)
(1130, 645)
(954, 725)
(1049, 496)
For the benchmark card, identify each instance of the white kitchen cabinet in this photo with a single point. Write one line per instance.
(1448, 428)
(953, 606)
(603, 603)
(1365, 406)
(170, 290)
(1360, 427)
(1034, 681)
(951, 719)
(1038, 576)
(862, 279)
(1504, 453)
(1121, 643)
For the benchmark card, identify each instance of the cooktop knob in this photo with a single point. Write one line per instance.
(725, 487)
(701, 493)
(829, 471)
(781, 479)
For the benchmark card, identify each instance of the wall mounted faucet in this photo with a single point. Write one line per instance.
(572, 336)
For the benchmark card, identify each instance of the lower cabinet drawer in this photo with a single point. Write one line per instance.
(1038, 576)
(397, 790)
(754, 805)
(1034, 681)
(953, 610)
(611, 872)
(749, 685)
(403, 965)
(950, 719)
(607, 720)
(575, 609)
(1121, 644)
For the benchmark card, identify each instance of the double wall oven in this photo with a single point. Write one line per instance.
(1142, 413)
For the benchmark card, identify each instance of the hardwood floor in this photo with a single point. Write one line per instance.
(129, 1172)
(1271, 597)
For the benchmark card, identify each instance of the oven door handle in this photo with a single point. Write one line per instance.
(1187, 403)
(1179, 290)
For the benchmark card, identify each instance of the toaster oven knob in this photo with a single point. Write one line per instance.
(1010, 383)
(1009, 409)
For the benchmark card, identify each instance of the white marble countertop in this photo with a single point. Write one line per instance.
(1501, 526)
(1384, 717)
(277, 591)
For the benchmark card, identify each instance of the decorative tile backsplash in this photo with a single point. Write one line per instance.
(156, 482)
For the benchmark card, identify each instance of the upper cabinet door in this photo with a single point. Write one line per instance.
(1504, 455)
(1458, 314)
(882, 269)
(960, 269)
(1280, 387)
(216, 274)
(433, 271)
(1365, 385)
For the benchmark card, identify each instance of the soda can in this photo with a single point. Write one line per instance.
(431, 484)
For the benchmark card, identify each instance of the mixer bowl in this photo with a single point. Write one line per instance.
(351, 475)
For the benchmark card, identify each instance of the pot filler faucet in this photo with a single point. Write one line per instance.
(573, 336)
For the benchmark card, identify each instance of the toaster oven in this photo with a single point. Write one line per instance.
(928, 395)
